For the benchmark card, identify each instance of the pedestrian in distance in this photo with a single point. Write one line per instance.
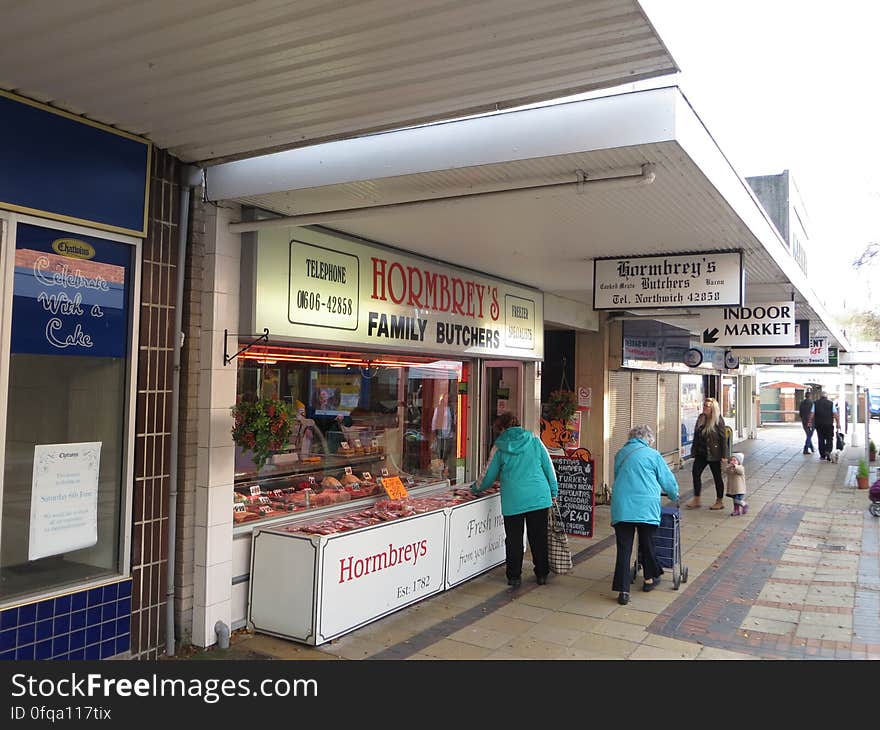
(528, 488)
(708, 448)
(805, 409)
(641, 475)
(825, 417)
(736, 484)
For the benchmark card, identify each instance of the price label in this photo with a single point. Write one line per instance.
(344, 446)
(264, 500)
(394, 488)
(358, 444)
(255, 490)
(375, 443)
(367, 477)
(238, 507)
(384, 472)
(276, 492)
(312, 480)
(348, 470)
(266, 510)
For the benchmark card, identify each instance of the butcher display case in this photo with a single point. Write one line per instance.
(313, 580)
(354, 420)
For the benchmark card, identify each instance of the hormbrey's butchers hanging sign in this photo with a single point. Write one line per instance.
(707, 279)
(314, 287)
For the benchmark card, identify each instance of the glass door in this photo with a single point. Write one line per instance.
(501, 386)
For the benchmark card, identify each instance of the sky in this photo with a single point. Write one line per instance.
(791, 84)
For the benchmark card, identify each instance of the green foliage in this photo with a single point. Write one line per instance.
(865, 325)
(871, 447)
(862, 470)
(261, 426)
(561, 405)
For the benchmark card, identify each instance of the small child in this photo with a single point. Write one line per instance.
(736, 484)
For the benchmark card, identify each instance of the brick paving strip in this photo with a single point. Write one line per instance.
(714, 609)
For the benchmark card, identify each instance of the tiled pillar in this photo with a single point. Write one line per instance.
(152, 463)
(215, 463)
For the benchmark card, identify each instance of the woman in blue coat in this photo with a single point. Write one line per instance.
(528, 488)
(640, 476)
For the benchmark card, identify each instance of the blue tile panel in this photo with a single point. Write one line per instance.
(92, 624)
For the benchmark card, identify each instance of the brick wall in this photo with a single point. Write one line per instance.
(149, 560)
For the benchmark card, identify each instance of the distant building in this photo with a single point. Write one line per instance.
(781, 199)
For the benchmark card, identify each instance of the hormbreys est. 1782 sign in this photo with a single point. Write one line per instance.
(321, 288)
(710, 279)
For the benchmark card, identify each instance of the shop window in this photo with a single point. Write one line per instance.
(357, 418)
(66, 418)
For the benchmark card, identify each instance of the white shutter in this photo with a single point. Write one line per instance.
(668, 430)
(619, 404)
(644, 400)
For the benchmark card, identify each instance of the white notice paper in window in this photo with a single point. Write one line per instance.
(64, 498)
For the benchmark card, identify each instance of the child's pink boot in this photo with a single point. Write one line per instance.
(736, 510)
(745, 508)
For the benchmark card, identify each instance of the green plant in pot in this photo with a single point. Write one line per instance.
(261, 426)
(872, 451)
(862, 473)
(561, 405)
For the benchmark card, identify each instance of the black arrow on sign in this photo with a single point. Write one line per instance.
(710, 336)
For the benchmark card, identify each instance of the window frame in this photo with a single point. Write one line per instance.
(8, 229)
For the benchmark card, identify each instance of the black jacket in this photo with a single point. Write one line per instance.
(709, 444)
(805, 409)
(824, 415)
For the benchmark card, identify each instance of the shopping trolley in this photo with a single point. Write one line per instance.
(667, 546)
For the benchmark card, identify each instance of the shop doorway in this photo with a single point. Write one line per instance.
(502, 392)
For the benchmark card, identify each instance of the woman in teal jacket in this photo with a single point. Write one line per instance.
(640, 476)
(528, 488)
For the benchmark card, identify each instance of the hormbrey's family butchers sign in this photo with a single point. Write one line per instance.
(310, 286)
(709, 279)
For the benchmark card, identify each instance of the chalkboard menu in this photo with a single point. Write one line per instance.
(576, 493)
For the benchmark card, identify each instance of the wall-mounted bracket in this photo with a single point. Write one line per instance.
(227, 358)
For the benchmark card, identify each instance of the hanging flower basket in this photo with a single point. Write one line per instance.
(561, 405)
(262, 427)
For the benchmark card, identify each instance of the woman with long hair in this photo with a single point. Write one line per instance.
(708, 448)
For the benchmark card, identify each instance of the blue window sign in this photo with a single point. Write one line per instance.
(70, 294)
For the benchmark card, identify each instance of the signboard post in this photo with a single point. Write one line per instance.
(577, 496)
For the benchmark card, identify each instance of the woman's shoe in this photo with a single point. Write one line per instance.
(719, 504)
(651, 586)
(623, 598)
(542, 580)
(514, 582)
(692, 503)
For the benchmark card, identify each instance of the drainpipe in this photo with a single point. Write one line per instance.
(190, 177)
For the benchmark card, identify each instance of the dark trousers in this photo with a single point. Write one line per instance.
(825, 433)
(536, 530)
(699, 465)
(625, 532)
(808, 430)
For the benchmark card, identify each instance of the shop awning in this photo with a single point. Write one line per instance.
(209, 79)
(558, 185)
(786, 384)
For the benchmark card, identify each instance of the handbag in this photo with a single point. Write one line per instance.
(558, 552)
(839, 441)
